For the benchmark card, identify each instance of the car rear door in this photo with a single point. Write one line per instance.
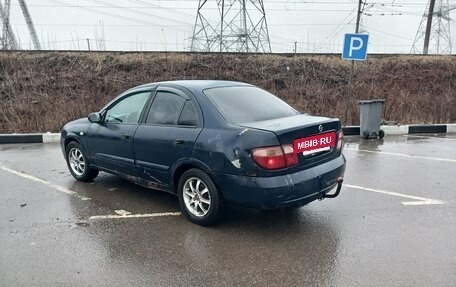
(167, 135)
(110, 142)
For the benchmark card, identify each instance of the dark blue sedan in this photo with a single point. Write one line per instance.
(211, 143)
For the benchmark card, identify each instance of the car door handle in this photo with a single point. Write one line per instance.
(179, 142)
(126, 137)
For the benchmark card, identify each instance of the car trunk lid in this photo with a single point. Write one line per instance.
(299, 131)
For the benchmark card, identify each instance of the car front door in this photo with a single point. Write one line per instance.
(167, 135)
(110, 142)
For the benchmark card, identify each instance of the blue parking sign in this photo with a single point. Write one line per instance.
(355, 47)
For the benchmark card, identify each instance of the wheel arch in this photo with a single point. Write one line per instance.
(186, 165)
(68, 140)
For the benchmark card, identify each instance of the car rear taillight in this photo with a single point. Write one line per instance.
(275, 157)
(290, 157)
(340, 140)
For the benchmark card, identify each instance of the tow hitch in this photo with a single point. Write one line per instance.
(339, 181)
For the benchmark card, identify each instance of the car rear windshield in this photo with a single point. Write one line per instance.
(244, 104)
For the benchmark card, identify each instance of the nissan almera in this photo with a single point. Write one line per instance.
(210, 143)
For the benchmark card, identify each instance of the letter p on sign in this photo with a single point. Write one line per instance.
(355, 47)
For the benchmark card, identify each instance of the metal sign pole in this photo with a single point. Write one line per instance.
(352, 71)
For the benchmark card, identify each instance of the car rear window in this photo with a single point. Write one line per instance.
(244, 104)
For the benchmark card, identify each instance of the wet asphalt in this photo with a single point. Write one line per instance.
(394, 224)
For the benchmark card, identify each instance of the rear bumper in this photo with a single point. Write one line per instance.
(295, 189)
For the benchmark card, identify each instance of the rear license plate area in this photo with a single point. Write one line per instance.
(314, 144)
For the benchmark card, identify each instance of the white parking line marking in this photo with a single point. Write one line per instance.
(129, 215)
(403, 155)
(419, 200)
(42, 181)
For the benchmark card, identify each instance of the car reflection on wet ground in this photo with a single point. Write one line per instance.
(392, 225)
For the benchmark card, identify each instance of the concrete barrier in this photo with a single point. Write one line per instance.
(348, 131)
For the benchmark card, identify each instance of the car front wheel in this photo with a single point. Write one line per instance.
(78, 163)
(199, 198)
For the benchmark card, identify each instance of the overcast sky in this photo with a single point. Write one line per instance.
(316, 26)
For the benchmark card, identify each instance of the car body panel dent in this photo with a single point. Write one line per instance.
(290, 189)
(220, 148)
(155, 155)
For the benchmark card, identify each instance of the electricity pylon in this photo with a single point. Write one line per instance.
(241, 27)
(434, 29)
(31, 27)
(8, 38)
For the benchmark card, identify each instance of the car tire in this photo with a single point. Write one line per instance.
(199, 198)
(78, 163)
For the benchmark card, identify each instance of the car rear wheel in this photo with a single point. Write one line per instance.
(199, 198)
(78, 163)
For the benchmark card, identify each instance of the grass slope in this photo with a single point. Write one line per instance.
(40, 91)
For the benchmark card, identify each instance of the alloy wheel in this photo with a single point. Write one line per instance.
(196, 196)
(77, 162)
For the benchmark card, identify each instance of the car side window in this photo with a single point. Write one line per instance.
(128, 110)
(165, 109)
(188, 116)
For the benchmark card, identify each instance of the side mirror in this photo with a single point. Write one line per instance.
(95, 117)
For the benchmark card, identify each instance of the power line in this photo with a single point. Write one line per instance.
(141, 12)
(172, 14)
(385, 33)
(84, 40)
(342, 24)
(147, 5)
(174, 10)
(64, 25)
(117, 15)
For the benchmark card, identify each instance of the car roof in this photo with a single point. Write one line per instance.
(195, 84)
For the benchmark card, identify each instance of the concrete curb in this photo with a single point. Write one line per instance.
(406, 129)
(30, 138)
(348, 131)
